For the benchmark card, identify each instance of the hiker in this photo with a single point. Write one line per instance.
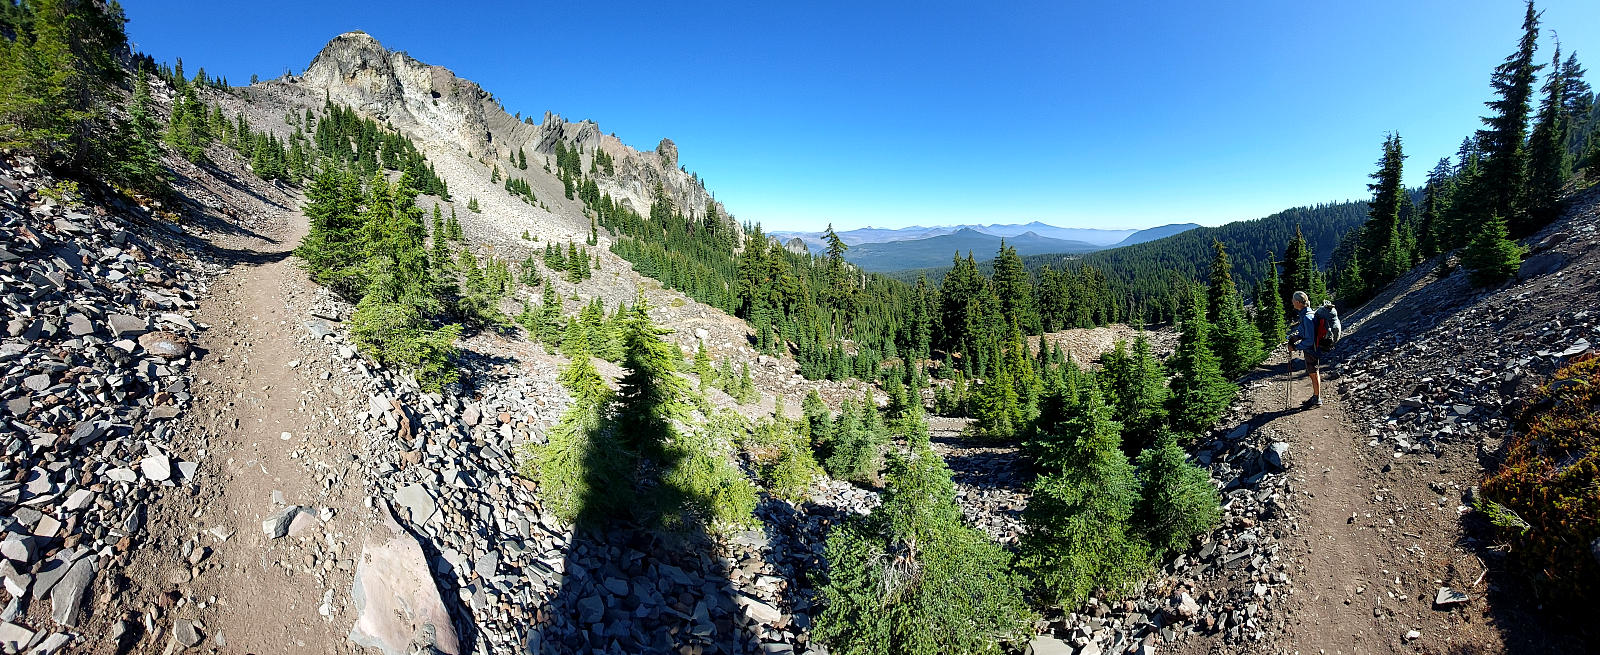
(1304, 338)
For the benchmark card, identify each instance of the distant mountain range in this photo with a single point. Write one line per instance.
(882, 249)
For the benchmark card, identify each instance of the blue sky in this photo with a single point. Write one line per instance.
(1116, 115)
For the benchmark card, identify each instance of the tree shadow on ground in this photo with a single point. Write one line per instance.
(641, 574)
(986, 464)
(629, 586)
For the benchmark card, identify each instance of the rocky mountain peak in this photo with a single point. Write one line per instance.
(668, 152)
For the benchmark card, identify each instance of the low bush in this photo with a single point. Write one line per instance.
(1548, 489)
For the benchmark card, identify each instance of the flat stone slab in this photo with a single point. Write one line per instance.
(417, 502)
(156, 467)
(66, 599)
(396, 600)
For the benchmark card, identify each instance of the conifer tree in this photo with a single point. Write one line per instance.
(452, 228)
(1491, 257)
(1299, 267)
(1502, 189)
(140, 164)
(1381, 244)
(1437, 195)
(1136, 385)
(1013, 288)
(1176, 500)
(1549, 165)
(1237, 342)
(650, 394)
(1270, 310)
(1079, 517)
(1352, 281)
(1199, 392)
(911, 578)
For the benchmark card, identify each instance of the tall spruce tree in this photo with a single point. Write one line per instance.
(1437, 194)
(1503, 188)
(1199, 392)
(1549, 165)
(1299, 269)
(1382, 246)
(1236, 341)
(1015, 291)
(1270, 310)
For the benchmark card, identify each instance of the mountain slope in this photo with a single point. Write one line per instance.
(467, 133)
(933, 251)
(1158, 232)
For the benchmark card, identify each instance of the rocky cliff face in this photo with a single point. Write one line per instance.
(432, 104)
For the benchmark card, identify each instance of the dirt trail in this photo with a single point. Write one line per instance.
(261, 595)
(1339, 581)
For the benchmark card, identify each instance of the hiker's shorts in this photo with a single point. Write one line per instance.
(1311, 358)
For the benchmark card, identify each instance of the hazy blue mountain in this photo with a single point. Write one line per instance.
(858, 236)
(1158, 232)
(937, 250)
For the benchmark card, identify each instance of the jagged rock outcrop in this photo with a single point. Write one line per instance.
(433, 105)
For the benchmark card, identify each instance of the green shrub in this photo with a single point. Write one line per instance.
(911, 578)
(710, 487)
(1491, 257)
(1548, 488)
(854, 448)
(394, 333)
(1177, 500)
(783, 458)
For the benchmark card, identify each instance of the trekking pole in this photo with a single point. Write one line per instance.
(1288, 380)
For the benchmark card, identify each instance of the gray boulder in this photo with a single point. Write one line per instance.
(397, 603)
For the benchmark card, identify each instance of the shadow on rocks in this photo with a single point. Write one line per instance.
(629, 585)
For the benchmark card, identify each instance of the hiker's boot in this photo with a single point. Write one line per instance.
(1314, 401)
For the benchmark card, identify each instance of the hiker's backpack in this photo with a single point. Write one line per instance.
(1326, 324)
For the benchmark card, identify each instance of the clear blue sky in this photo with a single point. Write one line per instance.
(1126, 114)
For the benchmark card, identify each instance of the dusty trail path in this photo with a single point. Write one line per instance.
(260, 427)
(1338, 576)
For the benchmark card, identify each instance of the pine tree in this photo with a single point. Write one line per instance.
(1491, 257)
(452, 228)
(472, 206)
(1437, 195)
(1549, 166)
(1352, 282)
(1382, 245)
(140, 162)
(649, 394)
(1270, 310)
(1136, 385)
(1199, 392)
(911, 578)
(1299, 267)
(1013, 288)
